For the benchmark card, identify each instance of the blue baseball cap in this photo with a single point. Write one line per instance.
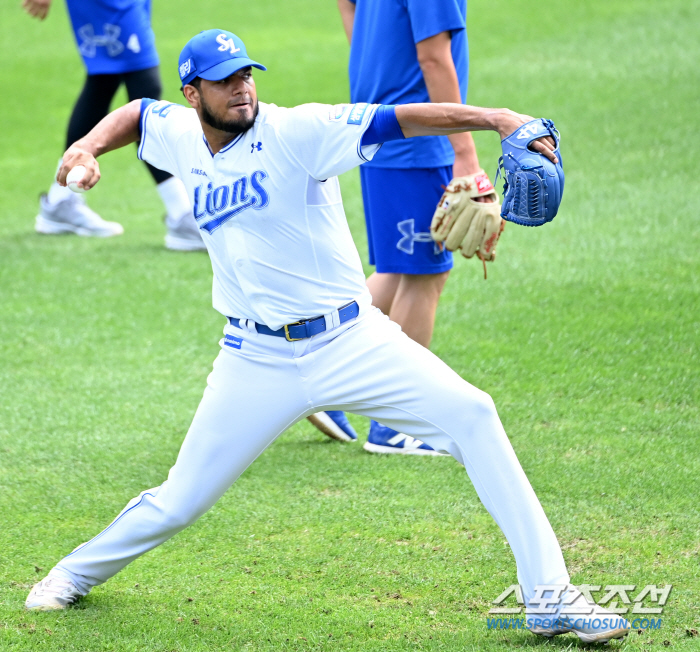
(213, 54)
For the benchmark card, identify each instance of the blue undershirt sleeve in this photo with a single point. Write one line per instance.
(384, 127)
(144, 105)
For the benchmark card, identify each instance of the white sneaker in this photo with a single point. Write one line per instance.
(334, 424)
(72, 215)
(589, 621)
(183, 234)
(53, 592)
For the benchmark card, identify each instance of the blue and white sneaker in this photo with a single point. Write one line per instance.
(385, 440)
(334, 424)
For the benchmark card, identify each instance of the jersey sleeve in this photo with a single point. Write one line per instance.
(161, 125)
(327, 140)
(431, 18)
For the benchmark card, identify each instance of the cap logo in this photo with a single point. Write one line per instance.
(186, 68)
(226, 43)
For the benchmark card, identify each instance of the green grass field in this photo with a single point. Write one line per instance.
(586, 334)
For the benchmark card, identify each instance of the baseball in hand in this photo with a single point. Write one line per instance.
(74, 177)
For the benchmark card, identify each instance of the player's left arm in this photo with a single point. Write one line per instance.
(347, 15)
(119, 129)
(447, 118)
(442, 82)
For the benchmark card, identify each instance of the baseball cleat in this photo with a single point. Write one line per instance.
(598, 625)
(52, 593)
(72, 215)
(334, 424)
(183, 234)
(385, 440)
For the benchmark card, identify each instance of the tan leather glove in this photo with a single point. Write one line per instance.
(462, 223)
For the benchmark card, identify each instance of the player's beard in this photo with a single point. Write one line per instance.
(235, 127)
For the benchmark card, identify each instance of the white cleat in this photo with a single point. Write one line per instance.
(72, 215)
(589, 621)
(52, 593)
(183, 234)
(337, 428)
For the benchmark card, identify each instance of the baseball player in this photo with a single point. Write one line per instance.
(288, 278)
(117, 45)
(405, 52)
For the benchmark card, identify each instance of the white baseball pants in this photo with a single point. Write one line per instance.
(367, 366)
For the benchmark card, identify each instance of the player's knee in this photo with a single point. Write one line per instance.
(487, 407)
(481, 406)
(178, 517)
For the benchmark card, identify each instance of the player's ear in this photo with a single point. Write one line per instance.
(191, 94)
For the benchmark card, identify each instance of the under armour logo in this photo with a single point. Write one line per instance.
(226, 44)
(528, 130)
(407, 230)
(255, 146)
(109, 40)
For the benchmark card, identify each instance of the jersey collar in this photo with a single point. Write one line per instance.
(225, 149)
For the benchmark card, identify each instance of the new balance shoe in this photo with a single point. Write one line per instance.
(72, 215)
(53, 592)
(386, 440)
(334, 424)
(183, 233)
(589, 621)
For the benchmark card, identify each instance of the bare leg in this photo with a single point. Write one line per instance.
(383, 288)
(410, 300)
(415, 304)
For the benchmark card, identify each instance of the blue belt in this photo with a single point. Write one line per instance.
(300, 330)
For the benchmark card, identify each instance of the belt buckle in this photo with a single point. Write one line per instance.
(286, 332)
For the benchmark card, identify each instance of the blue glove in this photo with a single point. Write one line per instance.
(533, 185)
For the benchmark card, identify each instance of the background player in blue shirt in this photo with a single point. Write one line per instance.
(405, 51)
(117, 45)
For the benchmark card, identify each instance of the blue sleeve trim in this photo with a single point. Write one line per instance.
(429, 33)
(384, 127)
(145, 102)
(431, 18)
(373, 109)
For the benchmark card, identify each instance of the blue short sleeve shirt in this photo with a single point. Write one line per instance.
(113, 36)
(384, 67)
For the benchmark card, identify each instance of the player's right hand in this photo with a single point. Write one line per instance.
(37, 8)
(76, 156)
(509, 121)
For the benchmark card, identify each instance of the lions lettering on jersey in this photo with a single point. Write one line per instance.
(221, 204)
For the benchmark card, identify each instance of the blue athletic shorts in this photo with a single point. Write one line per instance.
(399, 205)
(114, 36)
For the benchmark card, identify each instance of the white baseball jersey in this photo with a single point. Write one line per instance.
(268, 205)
